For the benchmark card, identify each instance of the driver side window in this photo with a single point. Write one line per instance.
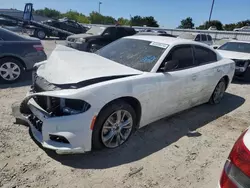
(182, 55)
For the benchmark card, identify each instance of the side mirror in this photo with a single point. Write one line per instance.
(170, 65)
(215, 47)
(197, 39)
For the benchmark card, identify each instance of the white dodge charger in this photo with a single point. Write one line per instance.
(79, 101)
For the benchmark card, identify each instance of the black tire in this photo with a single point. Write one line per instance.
(214, 99)
(103, 116)
(91, 48)
(40, 34)
(13, 61)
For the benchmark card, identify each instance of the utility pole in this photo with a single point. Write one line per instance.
(211, 11)
(100, 7)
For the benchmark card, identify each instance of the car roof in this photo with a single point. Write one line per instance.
(166, 40)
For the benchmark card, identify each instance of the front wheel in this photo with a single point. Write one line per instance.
(11, 70)
(114, 125)
(218, 92)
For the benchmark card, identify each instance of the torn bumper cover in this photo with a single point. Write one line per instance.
(65, 133)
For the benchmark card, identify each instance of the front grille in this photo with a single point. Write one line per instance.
(37, 123)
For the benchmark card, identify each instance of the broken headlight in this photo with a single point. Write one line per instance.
(73, 106)
(60, 107)
(240, 63)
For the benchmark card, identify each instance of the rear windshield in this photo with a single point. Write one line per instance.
(7, 35)
(138, 54)
(236, 47)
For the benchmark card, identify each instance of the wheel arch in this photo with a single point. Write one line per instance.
(226, 77)
(15, 57)
(133, 102)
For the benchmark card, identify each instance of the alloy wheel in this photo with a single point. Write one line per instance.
(10, 71)
(117, 128)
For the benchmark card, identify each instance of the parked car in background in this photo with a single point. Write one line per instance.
(239, 51)
(17, 55)
(67, 25)
(155, 34)
(97, 37)
(54, 28)
(236, 171)
(7, 22)
(212, 28)
(126, 85)
(204, 38)
(243, 29)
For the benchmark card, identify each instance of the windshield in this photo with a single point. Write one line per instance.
(138, 54)
(236, 47)
(96, 30)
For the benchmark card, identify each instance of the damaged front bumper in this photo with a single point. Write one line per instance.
(64, 134)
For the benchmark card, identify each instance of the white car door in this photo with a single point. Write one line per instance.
(209, 71)
(180, 87)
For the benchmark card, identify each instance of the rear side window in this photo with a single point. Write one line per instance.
(198, 38)
(204, 55)
(203, 38)
(184, 55)
(121, 32)
(130, 31)
(209, 38)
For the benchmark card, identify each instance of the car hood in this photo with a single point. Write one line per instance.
(67, 66)
(234, 55)
(82, 35)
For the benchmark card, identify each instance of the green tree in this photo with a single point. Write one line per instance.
(187, 23)
(109, 20)
(141, 21)
(95, 18)
(74, 15)
(123, 21)
(150, 21)
(50, 13)
(229, 27)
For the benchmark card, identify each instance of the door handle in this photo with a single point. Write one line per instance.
(194, 77)
(218, 70)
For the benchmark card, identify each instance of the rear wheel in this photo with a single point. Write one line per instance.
(40, 34)
(11, 70)
(218, 92)
(114, 125)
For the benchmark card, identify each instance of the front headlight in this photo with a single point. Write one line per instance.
(80, 40)
(74, 106)
(240, 63)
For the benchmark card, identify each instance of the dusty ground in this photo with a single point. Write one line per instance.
(162, 154)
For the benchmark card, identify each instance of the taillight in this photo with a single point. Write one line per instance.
(236, 172)
(38, 47)
(240, 155)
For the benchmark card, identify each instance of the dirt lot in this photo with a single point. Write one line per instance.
(163, 154)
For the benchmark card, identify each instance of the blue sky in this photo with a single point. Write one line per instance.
(167, 12)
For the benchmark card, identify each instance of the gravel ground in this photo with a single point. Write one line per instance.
(163, 154)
